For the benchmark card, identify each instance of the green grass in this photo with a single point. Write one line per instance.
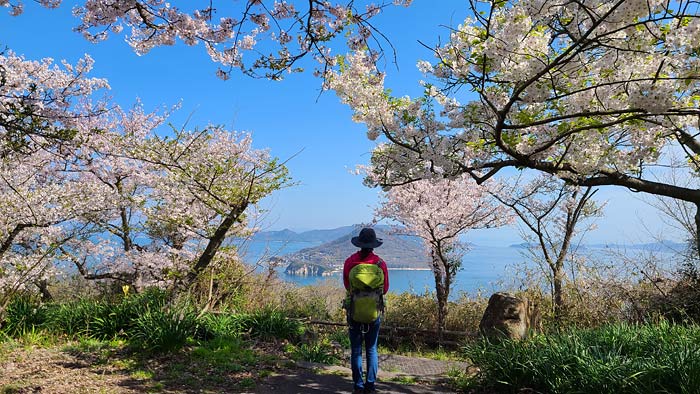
(11, 389)
(404, 379)
(271, 324)
(225, 355)
(320, 351)
(661, 358)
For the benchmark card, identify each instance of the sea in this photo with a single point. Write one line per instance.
(485, 269)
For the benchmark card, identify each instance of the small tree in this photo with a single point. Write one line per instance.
(439, 211)
(167, 203)
(551, 213)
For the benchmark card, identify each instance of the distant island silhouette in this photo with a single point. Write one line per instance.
(399, 251)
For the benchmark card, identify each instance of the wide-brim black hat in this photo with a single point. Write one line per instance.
(367, 239)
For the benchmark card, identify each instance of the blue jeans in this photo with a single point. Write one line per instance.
(370, 334)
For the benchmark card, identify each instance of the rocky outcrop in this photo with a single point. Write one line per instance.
(307, 269)
(506, 316)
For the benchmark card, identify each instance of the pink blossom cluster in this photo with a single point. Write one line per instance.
(118, 197)
(440, 210)
(228, 31)
(574, 88)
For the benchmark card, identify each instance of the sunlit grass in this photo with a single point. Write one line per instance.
(659, 358)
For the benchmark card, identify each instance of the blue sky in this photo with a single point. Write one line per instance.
(289, 117)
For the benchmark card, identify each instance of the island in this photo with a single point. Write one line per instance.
(399, 251)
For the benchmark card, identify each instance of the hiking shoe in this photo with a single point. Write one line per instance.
(358, 391)
(370, 391)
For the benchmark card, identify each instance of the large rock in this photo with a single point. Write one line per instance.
(307, 269)
(506, 316)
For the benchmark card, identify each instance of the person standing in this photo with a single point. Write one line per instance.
(366, 278)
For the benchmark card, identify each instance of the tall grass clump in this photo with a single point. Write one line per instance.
(23, 314)
(165, 329)
(270, 324)
(660, 358)
(77, 318)
(222, 325)
(103, 318)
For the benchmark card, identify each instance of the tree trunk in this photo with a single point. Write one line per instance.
(214, 244)
(442, 292)
(697, 231)
(557, 297)
(43, 286)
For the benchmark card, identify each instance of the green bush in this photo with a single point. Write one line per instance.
(164, 329)
(271, 324)
(23, 314)
(103, 319)
(662, 358)
(77, 318)
(318, 352)
(222, 325)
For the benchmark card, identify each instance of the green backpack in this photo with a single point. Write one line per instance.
(366, 299)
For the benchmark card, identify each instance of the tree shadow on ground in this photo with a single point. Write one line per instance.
(308, 382)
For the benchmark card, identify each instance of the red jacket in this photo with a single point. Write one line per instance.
(370, 259)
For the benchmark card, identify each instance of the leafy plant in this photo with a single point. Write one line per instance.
(164, 329)
(77, 318)
(223, 325)
(22, 315)
(317, 352)
(613, 359)
(271, 324)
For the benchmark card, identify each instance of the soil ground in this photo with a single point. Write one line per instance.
(64, 370)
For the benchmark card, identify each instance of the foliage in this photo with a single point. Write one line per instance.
(320, 351)
(226, 355)
(613, 359)
(271, 324)
(164, 329)
(102, 319)
(23, 314)
(595, 92)
(261, 38)
(419, 311)
(222, 325)
(318, 302)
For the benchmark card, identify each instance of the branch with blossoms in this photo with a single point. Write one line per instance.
(593, 92)
(258, 37)
(41, 105)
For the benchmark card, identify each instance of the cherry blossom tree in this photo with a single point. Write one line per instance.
(554, 217)
(42, 104)
(115, 195)
(36, 200)
(595, 92)
(439, 211)
(168, 202)
(42, 108)
(259, 37)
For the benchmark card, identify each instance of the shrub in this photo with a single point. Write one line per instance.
(613, 359)
(321, 351)
(77, 318)
(164, 329)
(23, 314)
(271, 324)
(222, 325)
(320, 302)
(103, 319)
(420, 311)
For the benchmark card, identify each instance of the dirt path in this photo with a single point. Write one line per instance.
(25, 370)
